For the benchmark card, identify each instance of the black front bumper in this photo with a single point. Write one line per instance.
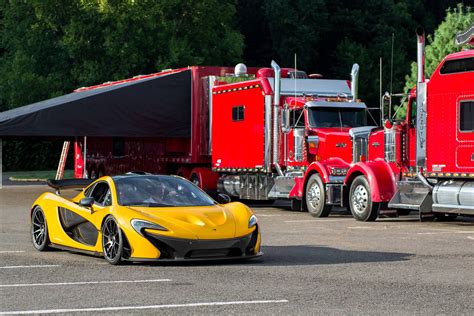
(199, 249)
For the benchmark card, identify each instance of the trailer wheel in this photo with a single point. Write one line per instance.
(316, 197)
(195, 180)
(362, 207)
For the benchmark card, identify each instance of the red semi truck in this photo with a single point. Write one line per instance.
(258, 134)
(426, 161)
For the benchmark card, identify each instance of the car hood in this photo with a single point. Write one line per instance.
(197, 222)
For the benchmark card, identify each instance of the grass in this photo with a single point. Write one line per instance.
(38, 175)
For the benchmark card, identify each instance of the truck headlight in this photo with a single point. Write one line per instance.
(139, 225)
(252, 221)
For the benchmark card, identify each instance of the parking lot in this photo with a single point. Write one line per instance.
(310, 266)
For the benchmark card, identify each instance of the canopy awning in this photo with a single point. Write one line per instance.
(156, 106)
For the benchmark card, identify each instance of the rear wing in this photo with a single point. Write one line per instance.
(68, 184)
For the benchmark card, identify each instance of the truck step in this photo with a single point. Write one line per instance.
(412, 195)
(282, 187)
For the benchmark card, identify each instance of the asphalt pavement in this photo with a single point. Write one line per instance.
(332, 266)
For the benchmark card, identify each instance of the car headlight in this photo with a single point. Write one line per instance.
(139, 225)
(252, 221)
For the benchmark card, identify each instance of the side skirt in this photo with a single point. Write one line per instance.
(87, 252)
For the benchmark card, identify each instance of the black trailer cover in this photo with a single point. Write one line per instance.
(152, 107)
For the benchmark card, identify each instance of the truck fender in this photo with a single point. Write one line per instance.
(300, 183)
(317, 167)
(379, 175)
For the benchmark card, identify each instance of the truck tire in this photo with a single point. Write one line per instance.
(315, 197)
(360, 201)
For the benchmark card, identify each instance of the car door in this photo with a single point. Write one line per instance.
(82, 224)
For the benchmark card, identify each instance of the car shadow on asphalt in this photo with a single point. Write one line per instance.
(322, 255)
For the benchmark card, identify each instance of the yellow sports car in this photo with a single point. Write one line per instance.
(142, 217)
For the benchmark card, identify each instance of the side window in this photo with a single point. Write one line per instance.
(466, 116)
(238, 113)
(101, 194)
(413, 113)
(296, 118)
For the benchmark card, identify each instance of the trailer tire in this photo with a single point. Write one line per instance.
(315, 197)
(360, 201)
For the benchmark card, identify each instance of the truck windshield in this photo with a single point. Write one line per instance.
(336, 117)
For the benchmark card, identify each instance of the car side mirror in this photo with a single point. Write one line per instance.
(86, 202)
(223, 198)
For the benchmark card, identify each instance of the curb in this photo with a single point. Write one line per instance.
(13, 179)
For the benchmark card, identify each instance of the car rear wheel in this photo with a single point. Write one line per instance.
(362, 207)
(112, 241)
(316, 197)
(39, 230)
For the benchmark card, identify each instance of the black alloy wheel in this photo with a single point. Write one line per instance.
(362, 207)
(39, 230)
(112, 241)
(315, 196)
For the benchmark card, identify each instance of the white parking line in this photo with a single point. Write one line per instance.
(446, 232)
(33, 266)
(11, 251)
(123, 308)
(83, 283)
(470, 237)
(318, 220)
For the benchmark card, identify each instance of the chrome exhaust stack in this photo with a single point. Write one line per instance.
(421, 105)
(355, 81)
(276, 105)
(420, 58)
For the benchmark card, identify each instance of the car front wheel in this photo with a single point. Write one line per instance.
(112, 241)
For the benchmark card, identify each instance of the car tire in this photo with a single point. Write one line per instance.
(315, 197)
(112, 241)
(360, 201)
(39, 230)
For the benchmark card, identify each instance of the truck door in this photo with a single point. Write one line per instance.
(295, 143)
(410, 149)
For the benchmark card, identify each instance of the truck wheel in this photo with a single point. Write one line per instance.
(362, 207)
(316, 197)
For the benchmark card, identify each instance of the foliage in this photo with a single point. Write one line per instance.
(52, 47)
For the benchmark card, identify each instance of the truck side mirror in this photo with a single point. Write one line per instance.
(285, 120)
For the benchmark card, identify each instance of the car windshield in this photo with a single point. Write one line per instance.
(337, 117)
(159, 191)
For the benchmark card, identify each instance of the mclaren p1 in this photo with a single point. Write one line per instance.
(142, 217)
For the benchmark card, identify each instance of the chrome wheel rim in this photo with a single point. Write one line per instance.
(314, 195)
(111, 239)
(38, 228)
(360, 199)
